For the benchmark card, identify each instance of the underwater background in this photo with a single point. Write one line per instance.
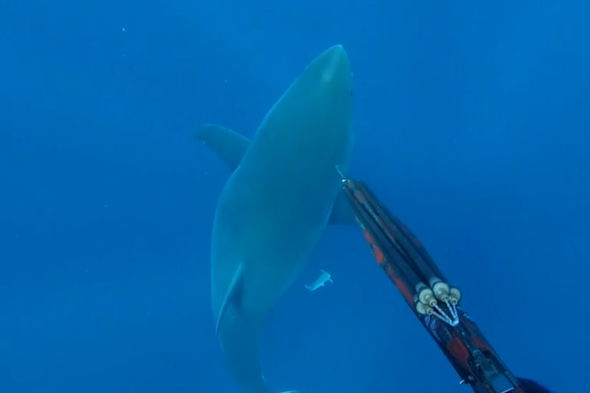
(472, 123)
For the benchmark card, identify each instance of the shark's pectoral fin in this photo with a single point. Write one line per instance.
(341, 212)
(229, 145)
(232, 295)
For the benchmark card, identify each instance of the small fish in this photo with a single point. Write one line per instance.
(320, 281)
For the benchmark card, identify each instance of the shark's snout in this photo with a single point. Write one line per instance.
(336, 66)
(333, 67)
(337, 55)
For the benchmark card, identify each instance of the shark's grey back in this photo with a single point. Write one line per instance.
(276, 205)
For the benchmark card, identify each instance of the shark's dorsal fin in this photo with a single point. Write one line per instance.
(341, 212)
(229, 145)
(233, 291)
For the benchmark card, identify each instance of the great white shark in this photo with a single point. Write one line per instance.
(283, 193)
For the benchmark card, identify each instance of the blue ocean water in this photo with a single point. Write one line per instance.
(471, 122)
